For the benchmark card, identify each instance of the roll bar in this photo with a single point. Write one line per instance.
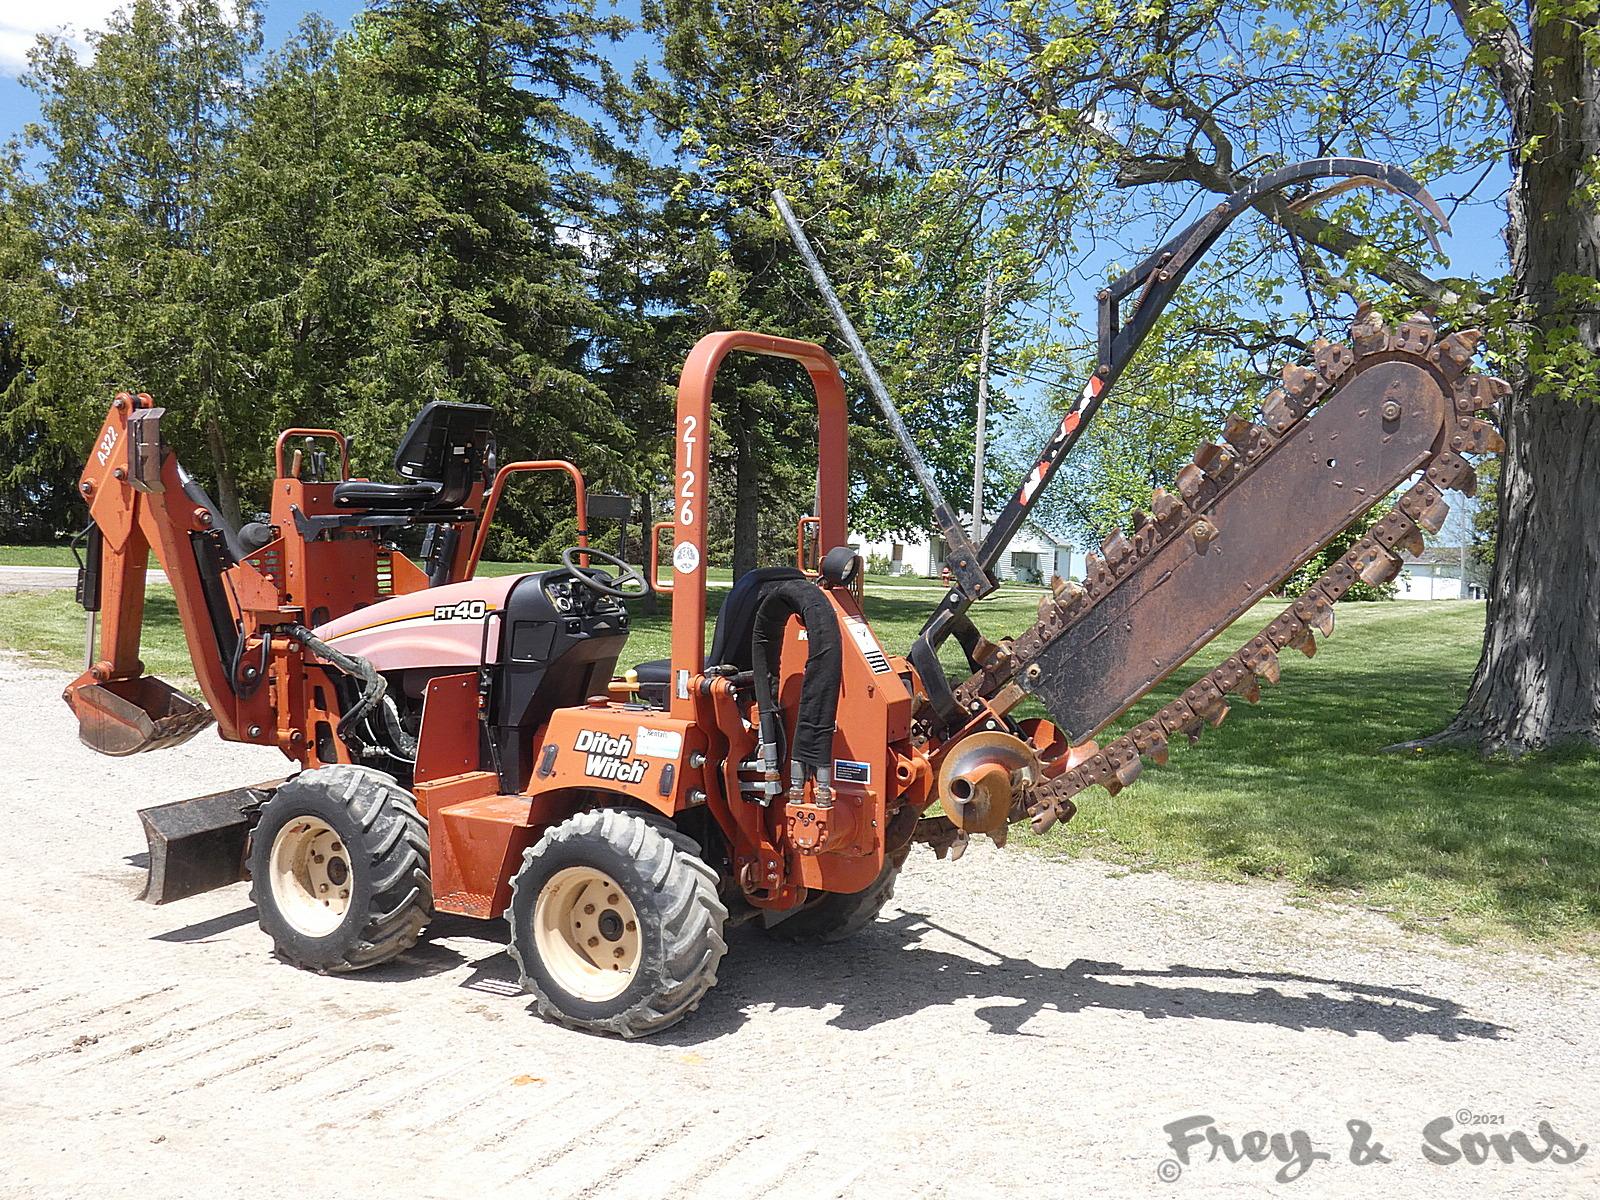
(693, 457)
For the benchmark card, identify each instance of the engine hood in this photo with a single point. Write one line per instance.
(436, 627)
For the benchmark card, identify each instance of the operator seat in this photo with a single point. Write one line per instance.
(730, 643)
(443, 453)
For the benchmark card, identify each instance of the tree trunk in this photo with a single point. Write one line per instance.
(227, 483)
(746, 496)
(1538, 681)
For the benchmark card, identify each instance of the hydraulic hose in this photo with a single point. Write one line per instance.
(812, 752)
(373, 685)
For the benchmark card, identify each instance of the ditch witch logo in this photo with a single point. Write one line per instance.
(1442, 1143)
(609, 756)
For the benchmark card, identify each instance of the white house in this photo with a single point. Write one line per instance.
(1436, 574)
(1032, 557)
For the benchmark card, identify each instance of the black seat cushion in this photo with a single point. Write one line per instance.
(657, 670)
(384, 497)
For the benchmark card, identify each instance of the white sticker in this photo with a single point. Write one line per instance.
(870, 650)
(686, 557)
(658, 743)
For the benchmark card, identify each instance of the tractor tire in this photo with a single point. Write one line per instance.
(839, 915)
(339, 869)
(616, 926)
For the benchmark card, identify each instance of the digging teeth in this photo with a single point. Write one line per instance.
(1433, 515)
(1453, 473)
(1478, 437)
(1277, 412)
(1479, 393)
(1266, 666)
(1304, 642)
(1165, 505)
(1115, 548)
(1211, 458)
(1300, 383)
(1248, 439)
(1333, 359)
(1378, 568)
(1250, 689)
(1130, 771)
(1455, 353)
(1368, 333)
(1412, 542)
(1415, 335)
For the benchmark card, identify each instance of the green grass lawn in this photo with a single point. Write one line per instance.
(36, 556)
(1294, 789)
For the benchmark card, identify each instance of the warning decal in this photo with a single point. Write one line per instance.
(870, 649)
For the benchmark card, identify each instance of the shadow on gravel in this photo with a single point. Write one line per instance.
(202, 931)
(886, 972)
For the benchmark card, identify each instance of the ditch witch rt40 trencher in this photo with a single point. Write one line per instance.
(468, 746)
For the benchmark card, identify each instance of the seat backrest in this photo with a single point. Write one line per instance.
(448, 444)
(736, 623)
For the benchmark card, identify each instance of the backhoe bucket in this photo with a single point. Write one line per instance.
(127, 716)
(198, 845)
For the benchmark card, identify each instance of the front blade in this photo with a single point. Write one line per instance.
(198, 845)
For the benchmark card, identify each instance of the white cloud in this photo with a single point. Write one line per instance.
(21, 21)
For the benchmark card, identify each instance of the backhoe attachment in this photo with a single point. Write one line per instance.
(129, 716)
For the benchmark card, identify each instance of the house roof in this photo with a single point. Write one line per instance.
(1436, 555)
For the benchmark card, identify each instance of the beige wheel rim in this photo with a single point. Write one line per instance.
(310, 876)
(587, 933)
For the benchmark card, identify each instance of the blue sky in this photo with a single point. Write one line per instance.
(1475, 246)
(18, 30)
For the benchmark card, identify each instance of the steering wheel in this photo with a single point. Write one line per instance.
(599, 581)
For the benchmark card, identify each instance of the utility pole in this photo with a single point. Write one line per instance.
(983, 408)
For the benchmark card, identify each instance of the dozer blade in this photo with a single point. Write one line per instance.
(129, 716)
(198, 845)
(1338, 437)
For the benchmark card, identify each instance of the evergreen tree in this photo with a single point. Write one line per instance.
(111, 279)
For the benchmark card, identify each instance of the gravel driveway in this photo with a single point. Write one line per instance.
(1012, 1027)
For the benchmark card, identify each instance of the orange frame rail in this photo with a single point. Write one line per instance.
(693, 455)
(332, 434)
(498, 486)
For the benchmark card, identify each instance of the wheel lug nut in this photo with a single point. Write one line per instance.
(316, 858)
(617, 953)
(324, 887)
(588, 908)
(633, 925)
(594, 941)
(613, 898)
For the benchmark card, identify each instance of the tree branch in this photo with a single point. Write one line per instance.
(1507, 60)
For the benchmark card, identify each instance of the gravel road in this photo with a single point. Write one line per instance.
(53, 579)
(1011, 1028)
